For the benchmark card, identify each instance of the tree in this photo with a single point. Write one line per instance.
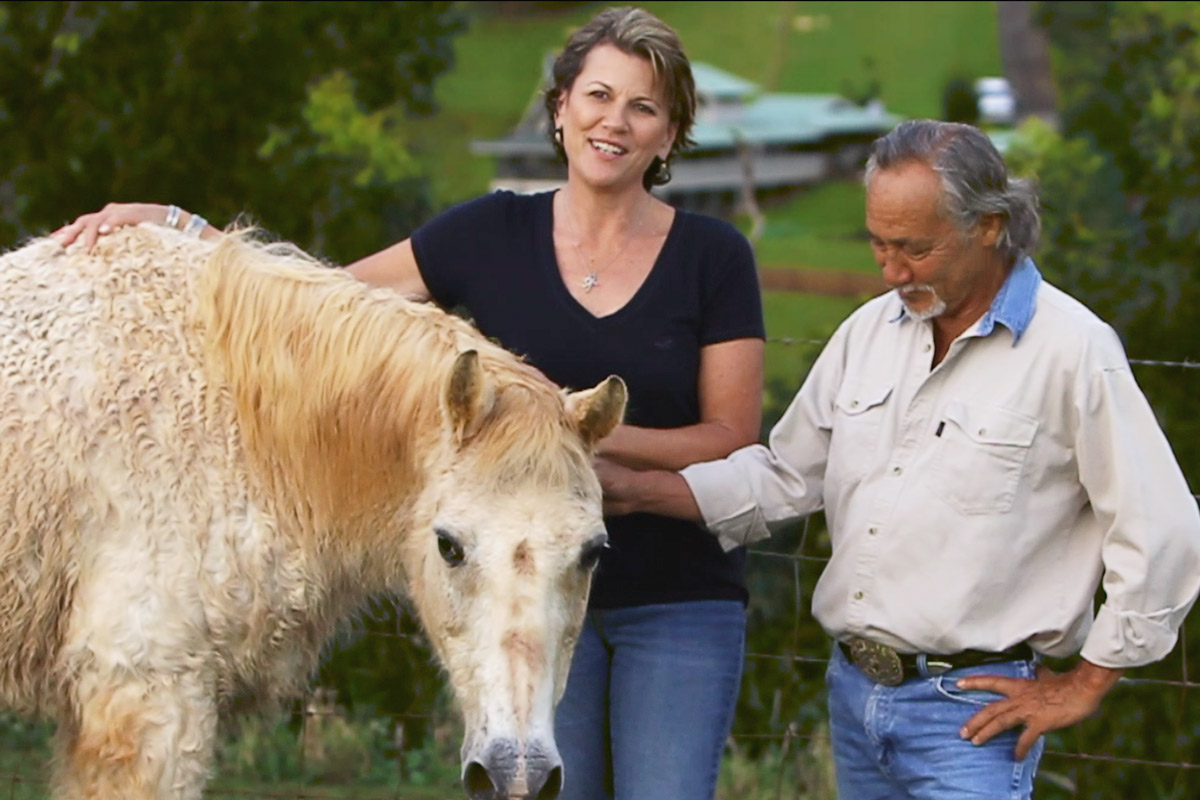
(1025, 53)
(292, 111)
(1119, 186)
(1120, 191)
(959, 103)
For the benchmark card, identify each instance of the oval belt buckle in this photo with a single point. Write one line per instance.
(877, 661)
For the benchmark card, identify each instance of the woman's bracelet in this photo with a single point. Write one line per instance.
(195, 226)
(173, 213)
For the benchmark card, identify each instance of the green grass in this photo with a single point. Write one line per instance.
(794, 316)
(431, 774)
(910, 48)
(349, 790)
(820, 227)
(797, 325)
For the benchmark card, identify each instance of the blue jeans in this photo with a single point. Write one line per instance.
(650, 701)
(902, 742)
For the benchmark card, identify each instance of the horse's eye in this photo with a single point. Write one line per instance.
(592, 550)
(450, 549)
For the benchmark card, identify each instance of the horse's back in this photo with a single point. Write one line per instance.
(110, 435)
(100, 357)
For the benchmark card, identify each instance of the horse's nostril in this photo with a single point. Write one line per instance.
(478, 783)
(553, 785)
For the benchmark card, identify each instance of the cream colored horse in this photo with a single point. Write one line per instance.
(212, 454)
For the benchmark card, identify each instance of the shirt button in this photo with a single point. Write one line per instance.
(858, 595)
(928, 347)
(896, 470)
(983, 431)
(854, 404)
(872, 530)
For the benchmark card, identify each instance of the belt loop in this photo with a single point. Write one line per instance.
(931, 666)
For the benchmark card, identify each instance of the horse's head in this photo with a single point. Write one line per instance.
(503, 570)
(466, 481)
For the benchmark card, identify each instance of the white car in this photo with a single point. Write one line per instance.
(996, 102)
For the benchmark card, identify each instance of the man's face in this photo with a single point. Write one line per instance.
(938, 270)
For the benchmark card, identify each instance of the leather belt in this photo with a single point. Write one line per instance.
(886, 666)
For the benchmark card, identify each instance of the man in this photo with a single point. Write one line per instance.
(984, 458)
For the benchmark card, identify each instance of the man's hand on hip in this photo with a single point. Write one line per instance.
(1046, 703)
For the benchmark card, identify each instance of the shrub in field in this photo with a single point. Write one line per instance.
(799, 768)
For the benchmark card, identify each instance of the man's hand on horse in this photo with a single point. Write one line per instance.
(1046, 703)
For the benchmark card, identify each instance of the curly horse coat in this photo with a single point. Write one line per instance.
(210, 454)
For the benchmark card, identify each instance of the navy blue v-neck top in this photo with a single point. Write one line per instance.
(494, 258)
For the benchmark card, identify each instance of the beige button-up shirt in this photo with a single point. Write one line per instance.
(980, 503)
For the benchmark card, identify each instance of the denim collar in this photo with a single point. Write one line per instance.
(1013, 305)
(1016, 301)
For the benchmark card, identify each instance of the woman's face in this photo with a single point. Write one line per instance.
(614, 120)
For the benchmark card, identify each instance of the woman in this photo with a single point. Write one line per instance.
(599, 278)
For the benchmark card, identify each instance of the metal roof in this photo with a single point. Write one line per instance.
(788, 119)
(732, 108)
(714, 82)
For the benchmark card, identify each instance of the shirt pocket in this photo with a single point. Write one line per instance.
(857, 430)
(983, 455)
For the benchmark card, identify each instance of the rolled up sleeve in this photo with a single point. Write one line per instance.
(729, 509)
(1151, 544)
(758, 489)
(1123, 639)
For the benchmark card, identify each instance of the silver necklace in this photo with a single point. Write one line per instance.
(592, 279)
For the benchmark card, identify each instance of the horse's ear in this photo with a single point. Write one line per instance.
(468, 396)
(597, 411)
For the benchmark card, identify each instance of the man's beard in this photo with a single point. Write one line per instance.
(936, 307)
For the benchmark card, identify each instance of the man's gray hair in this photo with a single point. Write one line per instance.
(975, 180)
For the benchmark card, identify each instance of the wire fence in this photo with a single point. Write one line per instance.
(1144, 743)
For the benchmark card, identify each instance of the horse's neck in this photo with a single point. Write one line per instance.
(334, 395)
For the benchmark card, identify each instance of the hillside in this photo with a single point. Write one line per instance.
(909, 50)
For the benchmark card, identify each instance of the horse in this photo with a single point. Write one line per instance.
(213, 454)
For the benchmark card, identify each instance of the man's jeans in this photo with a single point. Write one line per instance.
(650, 701)
(902, 742)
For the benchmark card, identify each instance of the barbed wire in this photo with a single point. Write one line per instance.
(1141, 762)
(792, 731)
(1187, 363)
(799, 557)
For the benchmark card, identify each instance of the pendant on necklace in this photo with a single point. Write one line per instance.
(590, 282)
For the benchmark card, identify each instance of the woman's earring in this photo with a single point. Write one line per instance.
(664, 171)
(558, 136)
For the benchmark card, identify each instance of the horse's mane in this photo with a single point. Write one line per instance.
(343, 382)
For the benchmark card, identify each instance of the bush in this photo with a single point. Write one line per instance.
(959, 103)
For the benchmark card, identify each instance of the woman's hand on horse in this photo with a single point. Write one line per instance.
(90, 227)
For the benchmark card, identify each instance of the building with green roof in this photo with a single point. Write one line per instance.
(744, 137)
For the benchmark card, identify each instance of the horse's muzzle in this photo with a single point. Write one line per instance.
(504, 773)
